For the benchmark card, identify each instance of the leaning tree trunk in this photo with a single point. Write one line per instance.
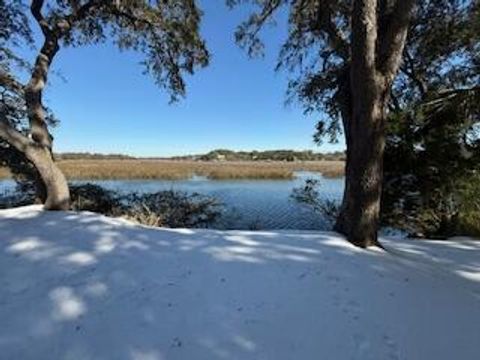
(57, 195)
(57, 192)
(40, 152)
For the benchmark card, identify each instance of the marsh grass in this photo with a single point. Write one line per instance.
(177, 170)
(4, 173)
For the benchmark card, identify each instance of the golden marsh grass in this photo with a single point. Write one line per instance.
(175, 170)
(4, 173)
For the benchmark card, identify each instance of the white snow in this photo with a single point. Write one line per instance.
(84, 286)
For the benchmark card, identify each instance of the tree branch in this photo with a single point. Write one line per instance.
(79, 13)
(267, 11)
(364, 37)
(65, 23)
(393, 41)
(13, 137)
(410, 71)
(53, 33)
(326, 23)
(36, 10)
(34, 89)
(10, 83)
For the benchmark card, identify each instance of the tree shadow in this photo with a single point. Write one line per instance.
(83, 286)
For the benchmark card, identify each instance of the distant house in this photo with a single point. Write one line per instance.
(219, 157)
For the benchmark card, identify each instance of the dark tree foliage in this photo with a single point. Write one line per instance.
(432, 170)
(432, 166)
(433, 142)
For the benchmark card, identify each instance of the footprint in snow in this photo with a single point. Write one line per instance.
(351, 308)
(392, 348)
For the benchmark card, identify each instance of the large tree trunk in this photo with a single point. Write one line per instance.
(379, 31)
(364, 123)
(57, 192)
(360, 210)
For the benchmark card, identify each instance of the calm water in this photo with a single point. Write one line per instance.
(248, 204)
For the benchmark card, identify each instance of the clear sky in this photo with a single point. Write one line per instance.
(107, 105)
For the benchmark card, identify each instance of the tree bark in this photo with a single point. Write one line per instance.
(364, 130)
(57, 195)
(379, 31)
(40, 152)
(360, 211)
(57, 192)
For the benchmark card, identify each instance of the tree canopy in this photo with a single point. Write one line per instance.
(441, 51)
(166, 33)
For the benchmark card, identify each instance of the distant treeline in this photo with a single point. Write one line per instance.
(272, 155)
(220, 155)
(92, 156)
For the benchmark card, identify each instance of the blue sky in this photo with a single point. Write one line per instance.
(106, 105)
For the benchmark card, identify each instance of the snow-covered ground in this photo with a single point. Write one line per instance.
(83, 286)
